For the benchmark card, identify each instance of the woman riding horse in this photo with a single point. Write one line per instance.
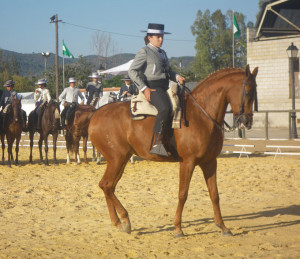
(12, 129)
(150, 71)
(198, 144)
(6, 100)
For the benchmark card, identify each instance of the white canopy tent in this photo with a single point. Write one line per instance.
(118, 70)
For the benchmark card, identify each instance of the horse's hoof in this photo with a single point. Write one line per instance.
(75, 163)
(227, 233)
(179, 235)
(126, 228)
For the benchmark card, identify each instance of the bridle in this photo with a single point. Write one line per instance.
(238, 116)
(244, 92)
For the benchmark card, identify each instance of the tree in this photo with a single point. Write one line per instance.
(80, 70)
(260, 6)
(214, 39)
(15, 66)
(23, 84)
(104, 46)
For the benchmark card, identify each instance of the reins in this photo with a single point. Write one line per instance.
(188, 91)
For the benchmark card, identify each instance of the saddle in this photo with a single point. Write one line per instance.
(140, 107)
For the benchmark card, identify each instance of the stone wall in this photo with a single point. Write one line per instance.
(273, 76)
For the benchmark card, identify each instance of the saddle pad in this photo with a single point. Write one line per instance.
(140, 107)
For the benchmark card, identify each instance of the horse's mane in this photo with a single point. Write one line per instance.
(217, 75)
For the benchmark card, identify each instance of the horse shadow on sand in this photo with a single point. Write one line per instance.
(293, 210)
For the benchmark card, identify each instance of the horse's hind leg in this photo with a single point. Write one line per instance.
(84, 147)
(112, 175)
(210, 175)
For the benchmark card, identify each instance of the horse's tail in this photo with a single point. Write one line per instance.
(70, 141)
(32, 120)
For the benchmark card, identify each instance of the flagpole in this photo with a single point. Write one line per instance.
(63, 69)
(232, 39)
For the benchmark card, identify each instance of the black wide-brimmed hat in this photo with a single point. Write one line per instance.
(156, 28)
(126, 78)
(9, 83)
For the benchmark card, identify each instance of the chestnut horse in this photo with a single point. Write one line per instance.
(12, 129)
(116, 136)
(78, 129)
(49, 125)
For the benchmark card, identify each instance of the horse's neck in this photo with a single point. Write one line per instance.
(214, 98)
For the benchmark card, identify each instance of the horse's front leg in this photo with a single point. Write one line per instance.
(3, 148)
(98, 158)
(76, 150)
(210, 175)
(9, 150)
(55, 135)
(41, 148)
(94, 153)
(185, 176)
(46, 150)
(17, 150)
(31, 135)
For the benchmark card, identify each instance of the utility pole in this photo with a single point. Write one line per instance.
(54, 19)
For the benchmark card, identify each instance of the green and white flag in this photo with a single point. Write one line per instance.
(236, 29)
(66, 51)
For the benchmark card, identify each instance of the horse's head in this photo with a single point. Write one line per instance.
(242, 105)
(16, 108)
(53, 110)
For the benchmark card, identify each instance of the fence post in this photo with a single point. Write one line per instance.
(290, 126)
(267, 126)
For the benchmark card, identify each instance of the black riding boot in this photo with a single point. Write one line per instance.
(158, 147)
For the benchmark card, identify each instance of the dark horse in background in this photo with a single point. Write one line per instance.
(12, 129)
(49, 125)
(78, 128)
(116, 136)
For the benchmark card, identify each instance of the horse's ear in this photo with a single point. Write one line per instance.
(247, 71)
(254, 72)
(21, 97)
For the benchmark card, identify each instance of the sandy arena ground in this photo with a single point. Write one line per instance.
(59, 211)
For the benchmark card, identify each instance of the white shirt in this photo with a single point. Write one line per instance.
(70, 95)
(42, 95)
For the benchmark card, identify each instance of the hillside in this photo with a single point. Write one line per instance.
(33, 64)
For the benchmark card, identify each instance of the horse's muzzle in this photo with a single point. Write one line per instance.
(245, 120)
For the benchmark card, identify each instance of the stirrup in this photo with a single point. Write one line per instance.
(160, 150)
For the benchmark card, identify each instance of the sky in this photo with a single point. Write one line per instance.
(25, 27)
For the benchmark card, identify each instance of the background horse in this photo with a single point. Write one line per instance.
(78, 129)
(49, 125)
(12, 129)
(116, 136)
